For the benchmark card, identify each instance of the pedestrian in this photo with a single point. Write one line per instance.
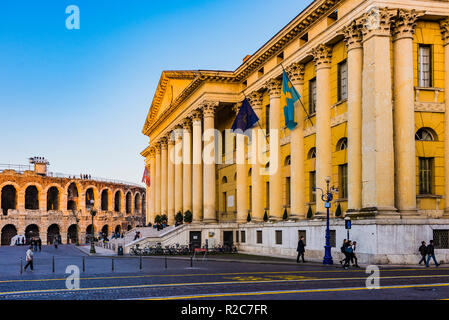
(35, 244)
(301, 249)
(353, 256)
(29, 258)
(349, 252)
(423, 251)
(343, 250)
(39, 244)
(431, 254)
(55, 242)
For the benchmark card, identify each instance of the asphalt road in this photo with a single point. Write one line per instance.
(220, 280)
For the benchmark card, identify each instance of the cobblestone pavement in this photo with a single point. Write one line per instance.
(121, 278)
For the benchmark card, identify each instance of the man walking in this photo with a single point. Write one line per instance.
(39, 244)
(29, 258)
(431, 254)
(423, 251)
(301, 249)
(349, 252)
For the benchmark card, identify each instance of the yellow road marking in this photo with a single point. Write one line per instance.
(214, 274)
(296, 291)
(202, 283)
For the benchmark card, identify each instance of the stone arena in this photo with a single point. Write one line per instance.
(35, 202)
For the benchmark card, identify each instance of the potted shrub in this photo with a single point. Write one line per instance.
(188, 216)
(248, 218)
(265, 216)
(309, 213)
(179, 218)
(285, 216)
(338, 211)
(158, 219)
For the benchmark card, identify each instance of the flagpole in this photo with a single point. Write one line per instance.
(300, 101)
(258, 122)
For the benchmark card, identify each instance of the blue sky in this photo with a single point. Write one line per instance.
(80, 97)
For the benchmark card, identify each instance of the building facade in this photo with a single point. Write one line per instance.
(38, 203)
(374, 81)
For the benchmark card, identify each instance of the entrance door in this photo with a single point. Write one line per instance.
(8, 232)
(228, 240)
(195, 239)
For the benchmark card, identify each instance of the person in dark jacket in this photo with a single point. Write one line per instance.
(343, 250)
(349, 253)
(431, 254)
(39, 244)
(423, 251)
(301, 249)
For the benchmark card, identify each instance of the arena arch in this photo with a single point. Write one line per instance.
(128, 202)
(53, 195)
(8, 232)
(9, 198)
(90, 198)
(32, 198)
(118, 229)
(31, 231)
(144, 205)
(52, 233)
(105, 230)
(137, 203)
(117, 201)
(72, 234)
(72, 196)
(105, 200)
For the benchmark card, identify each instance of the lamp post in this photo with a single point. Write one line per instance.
(327, 198)
(92, 213)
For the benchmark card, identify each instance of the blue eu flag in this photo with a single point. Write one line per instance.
(246, 118)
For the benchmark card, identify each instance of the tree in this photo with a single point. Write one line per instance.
(248, 218)
(158, 219)
(338, 211)
(188, 216)
(285, 216)
(179, 217)
(309, 213)
(265, 216)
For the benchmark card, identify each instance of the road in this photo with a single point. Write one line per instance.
(218, 280)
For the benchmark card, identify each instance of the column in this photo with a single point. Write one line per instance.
(255, 99)
(209, 163)
(164, 177)
(353, 39)
(178, 170)
(274, 90)
(404, 111)
(197, 167)
(322, 55)
(171, 180)
(297, 175)
(242, 175)
(158, 179)
(445, 32)
(377, 120)
(152, 189)
(187, 166)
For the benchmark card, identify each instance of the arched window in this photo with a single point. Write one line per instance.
(9, 199)
(31, 198)
(312, 153)
(104, 200)
(128, 202)
(426, 134)
(342, 144)
(287, 161)
(53, 199)
(117, 201)
(72, 197)
(137, 203)
(90, 199)
(224, 180)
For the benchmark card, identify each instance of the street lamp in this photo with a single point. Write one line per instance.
(92, 213)
(327, 198)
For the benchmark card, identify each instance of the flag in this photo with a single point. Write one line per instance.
(289, 96)
(146, 177)
(246, 117)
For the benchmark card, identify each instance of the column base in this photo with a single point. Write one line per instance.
(296, 217)
(274, 219)
(380, 212)
(446, 213)
(410, 213)
(321, 215)
(210, 221)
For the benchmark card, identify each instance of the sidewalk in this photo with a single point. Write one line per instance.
(99, 251)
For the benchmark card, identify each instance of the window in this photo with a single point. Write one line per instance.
(425, 134)
(425, 175)
(342, 144)
(267, 120)
(440, 238)
(333, 238)
(278, 235)
(225, 204)
(312, 195)
(287, 161)
(223, 142)
(242, 236)
(312, 96)
(259, 236)
(237, 236)
(424, 66)
(343, 174)
(287, 191)
(250, 192)
(312, 153)
(267, 194)
(302, 233)
(342, 81)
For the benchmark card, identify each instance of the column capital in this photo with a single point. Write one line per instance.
(152, 152)
(163, 143)
(274, 87)
(404, 23)
(376, 22)
(322, 56)
(196, 115)
(255, 98)
(296, 72)
(177, 132)
(157, 148)
(236, 108)
(187, 124)
(352, 35)
(444, 25)
(209, 108)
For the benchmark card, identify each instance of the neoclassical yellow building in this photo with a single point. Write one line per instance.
(374, 81)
